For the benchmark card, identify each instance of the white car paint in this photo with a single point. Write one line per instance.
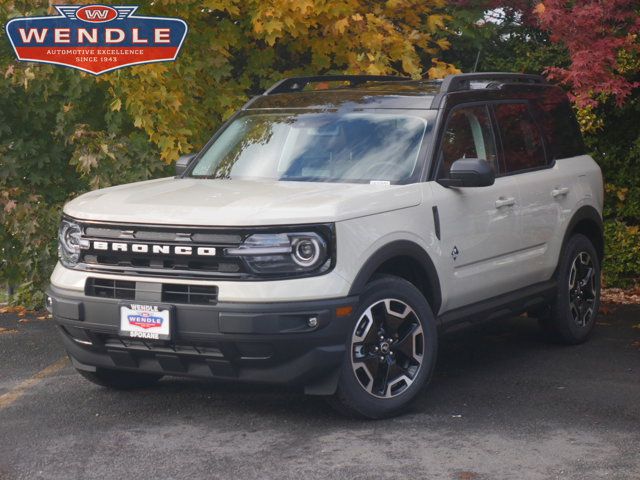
(206, 202)
(479, 238)
(501, 248)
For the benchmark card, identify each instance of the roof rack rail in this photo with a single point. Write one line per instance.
(297, 84)
(461, 81)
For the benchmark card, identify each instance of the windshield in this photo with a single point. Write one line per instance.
(319, 147)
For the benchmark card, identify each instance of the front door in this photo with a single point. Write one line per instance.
(479, 235)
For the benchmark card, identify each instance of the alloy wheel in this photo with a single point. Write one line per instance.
(582, 289)
(387, 348)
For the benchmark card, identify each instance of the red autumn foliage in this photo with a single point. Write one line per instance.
(594, 32)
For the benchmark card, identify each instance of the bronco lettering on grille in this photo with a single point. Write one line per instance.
(153, 249)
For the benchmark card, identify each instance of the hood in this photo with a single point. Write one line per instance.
(206, 202)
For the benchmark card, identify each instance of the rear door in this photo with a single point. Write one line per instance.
(542, 191)
(479, 226)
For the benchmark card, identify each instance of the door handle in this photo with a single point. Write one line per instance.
(505, 202)
(559, 192)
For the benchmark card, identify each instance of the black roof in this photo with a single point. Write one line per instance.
(353, 91)
(409, 94)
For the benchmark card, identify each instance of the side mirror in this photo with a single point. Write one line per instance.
(183, 163)
(469, 172)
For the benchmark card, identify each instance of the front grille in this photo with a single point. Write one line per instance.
(147, 265)
(163, 235)
(195, 294)
(170, 293)
(115, 341)
(181, 357)
(106, 288)
(153, 251)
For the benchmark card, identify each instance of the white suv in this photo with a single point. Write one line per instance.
(330, 231)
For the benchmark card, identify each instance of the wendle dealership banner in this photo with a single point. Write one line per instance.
(96, 38)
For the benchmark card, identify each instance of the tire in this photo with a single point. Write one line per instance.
(406, 353)
(572, 315)
(120, 380)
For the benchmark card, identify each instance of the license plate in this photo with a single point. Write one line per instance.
(148, 322)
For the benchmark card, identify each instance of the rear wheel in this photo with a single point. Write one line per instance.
(120, 380)
(571, 317)
(390, 353)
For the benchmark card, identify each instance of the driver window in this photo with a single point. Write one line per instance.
(468, 135)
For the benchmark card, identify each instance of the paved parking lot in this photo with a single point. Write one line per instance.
(504, 404)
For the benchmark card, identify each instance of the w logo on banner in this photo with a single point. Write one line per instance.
(97, 15)
(96, 38)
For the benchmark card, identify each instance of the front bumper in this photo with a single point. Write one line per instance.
(248, 342)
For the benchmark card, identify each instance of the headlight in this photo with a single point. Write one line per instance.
(284, 253)
(306, 251)
(69, 243)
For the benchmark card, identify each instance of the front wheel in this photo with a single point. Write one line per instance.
(390, 352)
(572, 315)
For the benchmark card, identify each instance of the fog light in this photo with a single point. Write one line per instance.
(49, 304)
(312, 322)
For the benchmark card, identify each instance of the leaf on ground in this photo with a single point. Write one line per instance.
(7, 331)
(21, 311)
(620, 296)
(605, 310)
(467, 476)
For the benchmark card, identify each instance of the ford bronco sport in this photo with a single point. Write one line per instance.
(330, 231)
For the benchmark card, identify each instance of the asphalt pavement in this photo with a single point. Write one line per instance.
(504, 404)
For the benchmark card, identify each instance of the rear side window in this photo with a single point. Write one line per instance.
(560, 126)
(468, 134)
(521, 140)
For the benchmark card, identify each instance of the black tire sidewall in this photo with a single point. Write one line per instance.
(350, 393)
(562, 321)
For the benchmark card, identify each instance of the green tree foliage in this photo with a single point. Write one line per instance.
(63, 132)
(58, 138)
(615, 142)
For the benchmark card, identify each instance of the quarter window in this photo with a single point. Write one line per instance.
(559, 125)
(468, 135)
(521, 140)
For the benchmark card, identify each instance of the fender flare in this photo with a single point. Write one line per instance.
(586, 212)
(400, 248)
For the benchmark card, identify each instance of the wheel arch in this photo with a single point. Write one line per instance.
(405, 259)
(588, 222)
